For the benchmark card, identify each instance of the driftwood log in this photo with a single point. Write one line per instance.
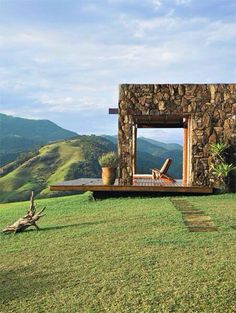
(28, 220)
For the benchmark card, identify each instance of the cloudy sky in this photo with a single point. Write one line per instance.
(64, 59)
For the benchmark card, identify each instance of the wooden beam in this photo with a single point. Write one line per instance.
(113, 111)
(160, 125)
(161, 121)
(174, 118)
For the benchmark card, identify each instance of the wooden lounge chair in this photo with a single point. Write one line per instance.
(162, 173)
(158, 174)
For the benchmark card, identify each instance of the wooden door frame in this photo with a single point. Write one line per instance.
(186, 148)
(186, 126)
(134, 148)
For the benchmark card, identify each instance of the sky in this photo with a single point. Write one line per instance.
(63, 60)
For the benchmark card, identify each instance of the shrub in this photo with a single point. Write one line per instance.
(219, 168)
(108, 159)
(217, 150)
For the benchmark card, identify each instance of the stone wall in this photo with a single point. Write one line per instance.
(211, 109)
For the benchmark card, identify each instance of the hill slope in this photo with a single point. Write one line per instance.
(54, 162)
(20, 135)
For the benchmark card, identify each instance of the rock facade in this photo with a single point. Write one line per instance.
(211, 109)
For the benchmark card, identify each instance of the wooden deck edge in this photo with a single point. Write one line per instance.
(164, 189)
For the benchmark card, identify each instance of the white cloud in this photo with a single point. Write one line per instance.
(8, 111)
(162, 134)
(156, 4)
(219, 31)
(183, 2)
(164, 26)
(90, 7)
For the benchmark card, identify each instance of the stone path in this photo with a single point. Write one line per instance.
(193, 218)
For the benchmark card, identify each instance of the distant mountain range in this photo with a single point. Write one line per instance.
(142, 143)
(66, 159)
(20, 135)
(166, 146)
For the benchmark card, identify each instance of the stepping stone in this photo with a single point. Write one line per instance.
(199, 224)
(187, 208)
(180, 203)
(192, 212)
(183, 205)
(193, 218)
(194, 229)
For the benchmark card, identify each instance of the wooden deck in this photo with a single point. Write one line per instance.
(139, 185)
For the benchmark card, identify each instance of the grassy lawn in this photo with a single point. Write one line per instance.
(119, 255)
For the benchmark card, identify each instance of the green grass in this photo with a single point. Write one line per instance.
(119, 255)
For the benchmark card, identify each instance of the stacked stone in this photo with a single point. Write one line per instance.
(210, 107)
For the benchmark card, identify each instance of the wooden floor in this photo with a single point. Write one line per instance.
(139, 185)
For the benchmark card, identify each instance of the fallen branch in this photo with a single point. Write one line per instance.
(28, 220)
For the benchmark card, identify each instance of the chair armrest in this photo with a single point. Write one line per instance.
(156, 170)
(155, 173)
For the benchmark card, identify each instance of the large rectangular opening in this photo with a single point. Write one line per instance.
(151, 149)
(155, 145)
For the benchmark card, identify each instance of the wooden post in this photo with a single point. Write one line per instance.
(185, 153)
(113, 111)
(189, 153)
(134, 147)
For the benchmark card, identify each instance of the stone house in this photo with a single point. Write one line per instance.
(206, 112)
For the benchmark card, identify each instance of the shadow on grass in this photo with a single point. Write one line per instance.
(19, 283)
(70, 225)
(86, 224)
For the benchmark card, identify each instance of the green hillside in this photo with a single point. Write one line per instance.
(20, 135)
(113, 139)
(144, 145)
(71, 159)
(54, 162)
